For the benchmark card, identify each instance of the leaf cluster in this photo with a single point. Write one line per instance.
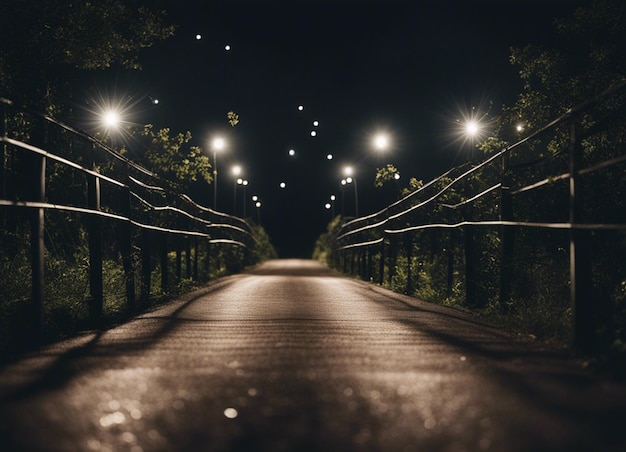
(172, 158)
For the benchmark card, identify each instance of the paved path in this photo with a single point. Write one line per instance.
(290, 357)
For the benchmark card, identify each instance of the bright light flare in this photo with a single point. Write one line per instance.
(471, 128)
(111, 119)
(218, 143)
(381, 141)
(236, 170)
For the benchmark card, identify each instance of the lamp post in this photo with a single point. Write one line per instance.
(217, 145)
(257, 204)
(349, 172)
(244, 183)
(236, 172)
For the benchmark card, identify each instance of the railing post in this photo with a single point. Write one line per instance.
(126, 242)
(451, 250)
(146, 264)
(470, 267)
(207, 260)
(393, 254)
(188, 257)
(38, 194)
(3, 163)
(581, 283)
(179, 271)
(94, 234)
(195, 258)
(381, 264)
(506, 238)
(164, 264)
(408, 246)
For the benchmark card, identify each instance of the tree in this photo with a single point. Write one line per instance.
(43, 45)
(388, 173)
(588, 56)
(171, 158)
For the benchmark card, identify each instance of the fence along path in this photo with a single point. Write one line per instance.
(49, 168)
(484, 195)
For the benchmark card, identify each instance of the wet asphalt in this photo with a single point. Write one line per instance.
(292, 357)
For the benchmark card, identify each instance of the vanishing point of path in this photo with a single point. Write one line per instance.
(292, 357)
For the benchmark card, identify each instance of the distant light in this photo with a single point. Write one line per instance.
(154, 101)
(327, 205)
(227, 47)
(198, 37)
(329, 156)
(343, 182)
(519, 127)
(348, 171)
(245, 182)
(255, 198)
(300, 107)
(240, 181)
(348, 180)
(236, 170)
(396, 176)
(292, 152)
(332, 197)
(283, 185)
(313, 133)
(316, 123)
(230, 413)
(258, 204)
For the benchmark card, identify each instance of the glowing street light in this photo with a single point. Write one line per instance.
(111, 119)
(218, 144)
(349, 172)
(381, 142)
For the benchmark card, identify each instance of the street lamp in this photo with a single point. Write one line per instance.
(236, 172)
(244, 183)
(257, 204)
(381, 142)
(217, 145)
(348, 171)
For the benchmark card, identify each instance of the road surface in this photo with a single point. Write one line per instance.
(292, 357)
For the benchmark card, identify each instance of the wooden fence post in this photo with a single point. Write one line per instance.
(126, 242)
(3, 164)
(146, 264)
(470, 261)
(164, 264)
(38, 194)
(94, 234)
(506, 238)
(393, 255)
(408, 246)
(381, 264)
(581, 283)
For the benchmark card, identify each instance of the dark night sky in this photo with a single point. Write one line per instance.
(406, 67)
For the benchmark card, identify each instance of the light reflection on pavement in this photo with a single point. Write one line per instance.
(289, 356)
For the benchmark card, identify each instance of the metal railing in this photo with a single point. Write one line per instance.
(58, 180)
(473, 218)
